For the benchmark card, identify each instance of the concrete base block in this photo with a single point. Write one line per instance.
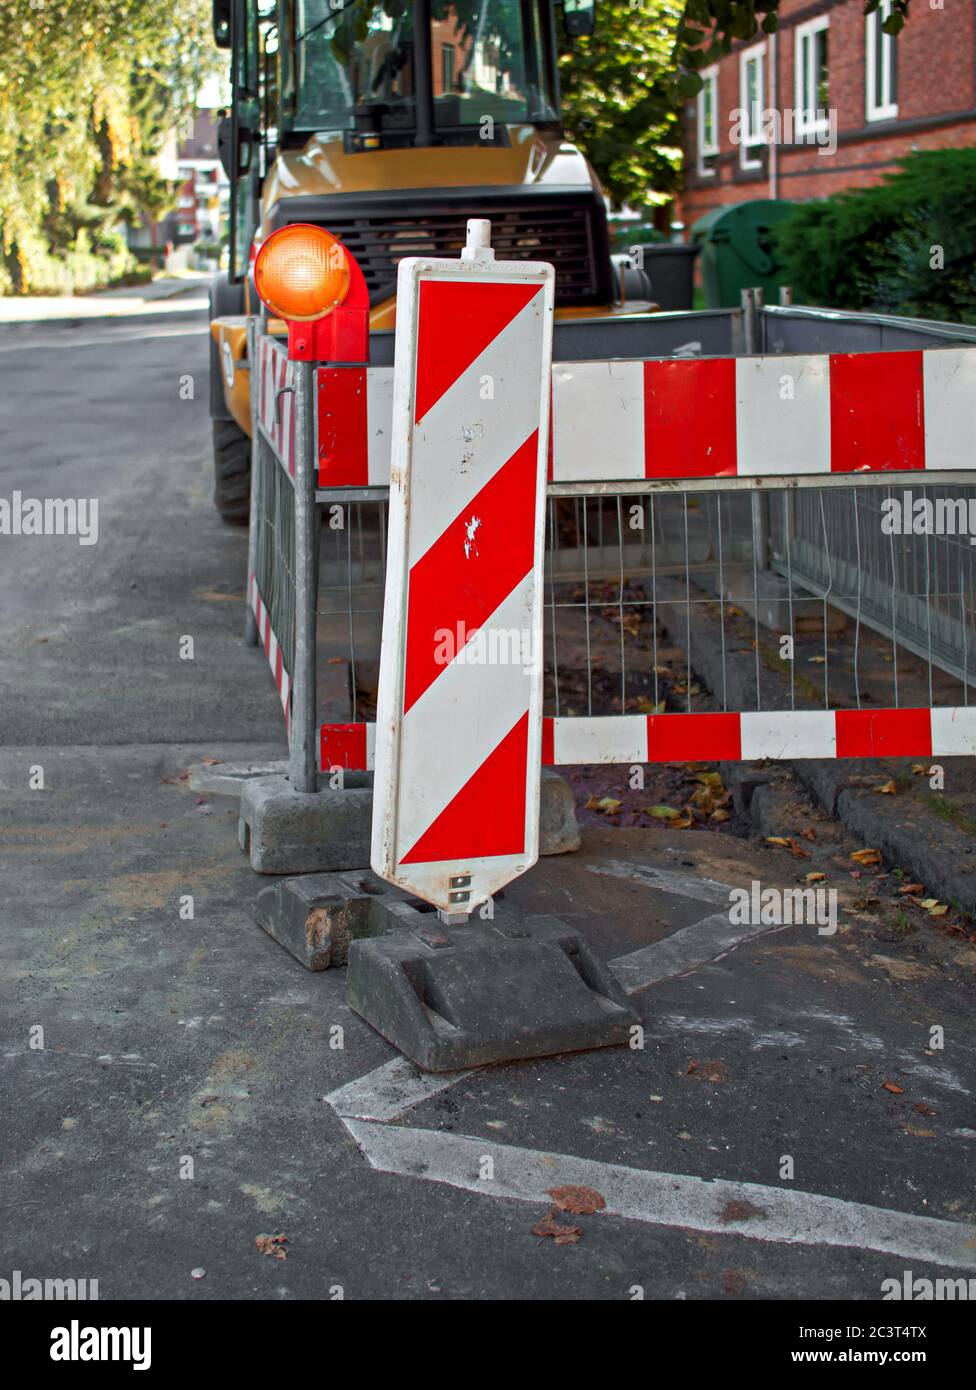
(289, 832)
(558, 830)
(316, 916)
(487, 991)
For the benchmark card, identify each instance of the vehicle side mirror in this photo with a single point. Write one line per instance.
(221, 23)
(579, 18)
(225, 148)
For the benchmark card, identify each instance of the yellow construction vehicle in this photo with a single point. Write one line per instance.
(391, 122)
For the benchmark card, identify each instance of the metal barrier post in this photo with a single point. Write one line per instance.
(250, 621)
(287, 824)
(752, 304)
(302, 761)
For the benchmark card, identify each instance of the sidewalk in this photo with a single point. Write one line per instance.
(168, 294)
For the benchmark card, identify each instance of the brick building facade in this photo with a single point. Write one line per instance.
(828, 102)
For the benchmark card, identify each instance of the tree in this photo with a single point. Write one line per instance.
(89, 89)
(618, 100)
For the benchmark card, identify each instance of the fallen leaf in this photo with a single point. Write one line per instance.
(911, 888)
(895, 1090)
(815, 878)
(719, 815)
(929, 903)
(210, 762)
(578, 1201)
(646, 705)
(866, 856)
(663, 812)
(778, 840)
(273, 1245)
(816, 660)
(740, 1211)
(709, 779)
(561, 1234)
(924, 1109)
(919, 1133)
(939, 910)
(887, 788)
(809, 833)
(715, 1072)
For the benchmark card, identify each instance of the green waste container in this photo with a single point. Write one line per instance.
(737, 250)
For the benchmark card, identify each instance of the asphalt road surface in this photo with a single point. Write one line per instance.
(787, 1129)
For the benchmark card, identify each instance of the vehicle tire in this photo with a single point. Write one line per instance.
(232, 472)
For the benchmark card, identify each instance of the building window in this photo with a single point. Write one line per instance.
(447, 68)
(811, 95)
(752, 99)
(708, 121)
(881, 67)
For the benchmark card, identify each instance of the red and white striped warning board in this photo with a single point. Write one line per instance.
(663, 738)
(458, 740)
(711, 417)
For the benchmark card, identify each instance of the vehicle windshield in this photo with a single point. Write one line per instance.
(487, 61)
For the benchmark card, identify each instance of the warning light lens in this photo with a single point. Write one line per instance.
(302, 273)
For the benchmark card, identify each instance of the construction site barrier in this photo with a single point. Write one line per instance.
(767, 425)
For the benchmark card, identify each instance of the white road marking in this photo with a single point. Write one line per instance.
(683, 951)
(389, 1091)
(369, 1105)
(700, 890)
(666, 1199)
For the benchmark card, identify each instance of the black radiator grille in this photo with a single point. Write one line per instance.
(559, 234)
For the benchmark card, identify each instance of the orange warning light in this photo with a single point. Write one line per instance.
(302, 273)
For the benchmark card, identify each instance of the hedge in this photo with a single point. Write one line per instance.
(905, 246)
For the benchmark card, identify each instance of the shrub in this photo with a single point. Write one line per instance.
(879, 248)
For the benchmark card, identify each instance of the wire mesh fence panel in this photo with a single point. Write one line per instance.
(275, 558)
(899, 559)
(349, 613)
(711, 602)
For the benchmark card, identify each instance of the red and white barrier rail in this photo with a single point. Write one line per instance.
(276, 398)
(707, 737)
(704, 418)
(272, 649)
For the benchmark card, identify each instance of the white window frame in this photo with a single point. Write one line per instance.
(878, 106)
(707, 150)
(757, 53)
(807, 121)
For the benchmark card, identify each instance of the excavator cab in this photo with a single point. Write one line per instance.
(390, 123)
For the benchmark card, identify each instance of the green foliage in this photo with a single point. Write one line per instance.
(711, 27)
(618, 102)
(89, 89)
(877, 248)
